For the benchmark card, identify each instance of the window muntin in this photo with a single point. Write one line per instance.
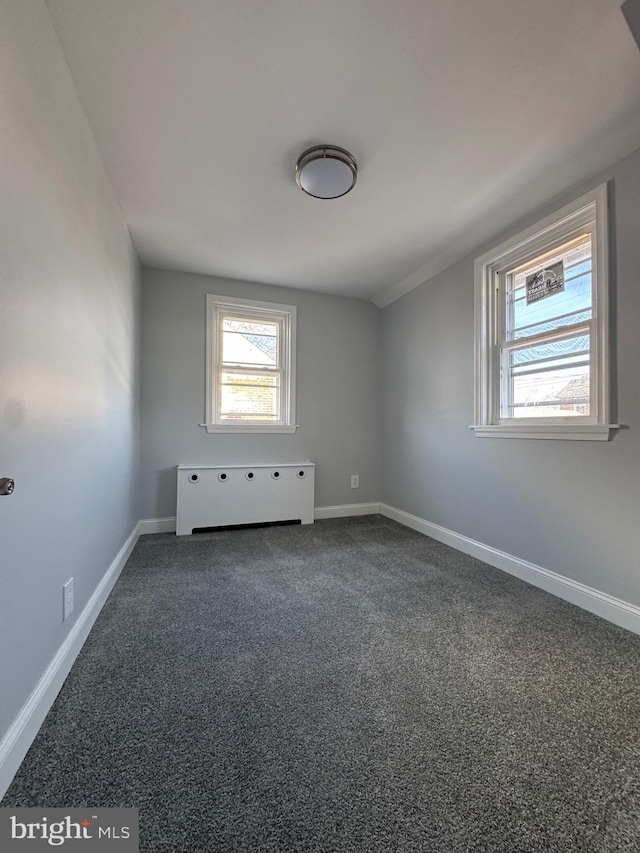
(251, 370)
(542, 351)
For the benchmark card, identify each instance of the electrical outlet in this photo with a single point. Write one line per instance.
(355, 481)
(67, 599)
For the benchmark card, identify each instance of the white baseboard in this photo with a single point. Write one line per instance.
(613, 609)
(158, 525)
(168, 525)
(15, 744)
(345, 510)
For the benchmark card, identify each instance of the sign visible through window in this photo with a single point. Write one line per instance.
(545, 282)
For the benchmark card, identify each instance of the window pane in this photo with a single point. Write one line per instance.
(561, 392)
(572, 349)
(555, 323)
(250, 397)
(557, 309)
(245, 342)
(254, 328)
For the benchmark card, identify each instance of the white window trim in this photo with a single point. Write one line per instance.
(287, 314)
(564, 224)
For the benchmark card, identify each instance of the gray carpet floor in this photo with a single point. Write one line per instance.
(346, 686)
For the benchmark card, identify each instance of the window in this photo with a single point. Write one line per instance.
(542, 349)
(250, 366)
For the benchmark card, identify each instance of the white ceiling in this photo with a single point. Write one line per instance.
(463, 116)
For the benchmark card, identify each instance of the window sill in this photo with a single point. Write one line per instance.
(249, 428)
(564, 432)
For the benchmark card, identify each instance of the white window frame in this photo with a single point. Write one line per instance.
(587, 214)
(269, 312)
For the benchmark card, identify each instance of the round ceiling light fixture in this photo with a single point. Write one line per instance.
(326, 171)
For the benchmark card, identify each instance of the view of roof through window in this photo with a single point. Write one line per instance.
(245, 342)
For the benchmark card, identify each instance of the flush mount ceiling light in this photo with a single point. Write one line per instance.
(326, 171)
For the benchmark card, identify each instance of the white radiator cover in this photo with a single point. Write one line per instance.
(216, 496)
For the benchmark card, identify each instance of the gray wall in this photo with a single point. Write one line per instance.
(569, 506)
(68, 355)
(337, 384)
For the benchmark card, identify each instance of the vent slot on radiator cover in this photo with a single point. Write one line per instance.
(223, 496)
